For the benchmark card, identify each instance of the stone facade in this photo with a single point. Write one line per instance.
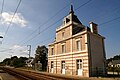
(77, 50)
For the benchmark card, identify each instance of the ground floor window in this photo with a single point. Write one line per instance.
(63, 67)
(79, 67)
(52, 65)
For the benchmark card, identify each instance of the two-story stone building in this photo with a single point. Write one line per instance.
(77, 50)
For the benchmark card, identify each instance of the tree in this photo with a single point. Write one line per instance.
(6, 61)
(20, 62)
(14, 61)
(108, 61)
(41, 55)
(117, 57)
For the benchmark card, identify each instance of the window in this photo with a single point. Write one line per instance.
(52, 51)
(63, 35)
(67, 20)
(79, 64)
(78, 45)
(63, 48)
(52, 64)
(63, 65)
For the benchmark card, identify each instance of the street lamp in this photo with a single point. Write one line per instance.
(1, 41)
(1, 37)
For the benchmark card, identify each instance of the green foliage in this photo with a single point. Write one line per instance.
(117, 57)
(14, 61)
(113, 69)
(41, 55)
(6, 61)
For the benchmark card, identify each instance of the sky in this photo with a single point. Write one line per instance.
(35, 23)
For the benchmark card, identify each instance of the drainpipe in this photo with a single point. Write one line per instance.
(105, 71)
(89, 53)
(56, 60)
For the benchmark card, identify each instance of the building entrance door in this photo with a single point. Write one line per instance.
(63, 67)
(79, 67)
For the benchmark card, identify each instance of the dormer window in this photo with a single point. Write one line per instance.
(67, 20)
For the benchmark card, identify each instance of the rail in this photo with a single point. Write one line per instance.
(32, 75)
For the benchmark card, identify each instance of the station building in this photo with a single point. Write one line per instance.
(77, 49)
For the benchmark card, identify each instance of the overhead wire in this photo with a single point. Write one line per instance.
(83, 4)
(11, 20)
(105, 13)
(2, 9)
(99, 24)
(43, 30)
(110, 21)
(57, 21)
(39, 26)
(45, 23)
(62, 18)
(52, 24)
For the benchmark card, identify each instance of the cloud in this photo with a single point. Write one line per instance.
(20, 49)
(18, 19)
(16, 47)
(2, 33)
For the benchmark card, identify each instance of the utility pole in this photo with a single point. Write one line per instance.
(29, 50)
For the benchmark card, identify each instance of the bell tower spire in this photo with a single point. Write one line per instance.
(71, 9)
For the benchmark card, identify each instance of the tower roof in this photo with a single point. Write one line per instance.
(74, 17)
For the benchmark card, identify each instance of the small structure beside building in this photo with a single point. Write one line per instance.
(77, 49)
(114, 63)
(29, 62)
(38, 66)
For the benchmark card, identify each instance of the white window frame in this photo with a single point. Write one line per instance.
(80, 63)
(78, 45)
(62, 64)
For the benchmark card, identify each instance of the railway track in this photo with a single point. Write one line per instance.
(28, 75)
(33, 75)
(21, 74)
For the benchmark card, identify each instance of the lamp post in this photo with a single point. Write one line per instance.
(1, 41)
(1, 37)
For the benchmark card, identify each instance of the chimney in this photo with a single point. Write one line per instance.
(93, 28)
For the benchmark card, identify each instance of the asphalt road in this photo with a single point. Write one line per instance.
(6, 76)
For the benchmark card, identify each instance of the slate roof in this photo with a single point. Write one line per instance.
(115, 62)
(75, 19)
